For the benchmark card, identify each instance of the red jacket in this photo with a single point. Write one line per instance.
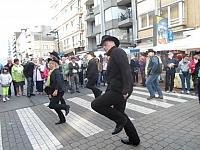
(192, 66)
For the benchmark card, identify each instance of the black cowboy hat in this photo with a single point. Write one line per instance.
(110, 38)
(55, 54)
(53, 59)
(196, 53)
(91, 53)
(150, 50)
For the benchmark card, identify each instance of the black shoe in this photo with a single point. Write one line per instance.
(28, 96)
(128, 142)
(159, 97)
(150, 97)
(78, 91)
(59, 122)
(67, 110)
(119, 128)
(32, 94)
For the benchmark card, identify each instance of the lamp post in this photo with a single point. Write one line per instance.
(57, 37)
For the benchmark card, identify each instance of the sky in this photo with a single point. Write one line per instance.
(18, 14)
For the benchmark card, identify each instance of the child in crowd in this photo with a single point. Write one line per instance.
(5, 80)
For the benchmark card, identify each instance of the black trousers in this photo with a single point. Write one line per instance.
(39, 86)
(112, 105)
(91, 84)
(30, 85)
(54, 104)
(169, 81)
(15, 90)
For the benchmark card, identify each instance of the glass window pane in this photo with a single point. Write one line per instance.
(174, 11)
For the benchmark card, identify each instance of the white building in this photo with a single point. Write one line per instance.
(68, 22)
(35, 42)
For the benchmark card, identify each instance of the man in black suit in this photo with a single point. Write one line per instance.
(92, 74)
(55, 90)
(120, 86)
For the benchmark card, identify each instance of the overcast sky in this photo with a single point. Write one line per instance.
(18, 14)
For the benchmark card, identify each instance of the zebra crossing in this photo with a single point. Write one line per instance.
(41, 137)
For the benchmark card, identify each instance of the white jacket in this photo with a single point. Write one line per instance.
(5, 79)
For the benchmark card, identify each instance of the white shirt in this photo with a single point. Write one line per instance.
(5, 79)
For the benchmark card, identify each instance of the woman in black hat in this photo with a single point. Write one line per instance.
(197, 74)
(55, 89)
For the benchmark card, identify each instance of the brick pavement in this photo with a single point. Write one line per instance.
(176, 127)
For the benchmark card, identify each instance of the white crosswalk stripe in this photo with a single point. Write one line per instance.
(165, 97)
(81, 125)
(153, 102)
(83, 103)
(1, 144)
(140, 109)
(39, 135)
(173, 94)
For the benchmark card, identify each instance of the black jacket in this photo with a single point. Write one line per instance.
(119, 75)
(71, 67)
(56, 82)
(197, 68)
(9, 66)
(28, 69)
(92, 70)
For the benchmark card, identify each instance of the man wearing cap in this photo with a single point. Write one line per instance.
(74, 77)
(170, 67)
(120, 86)
(92, 74)
(154, 69)
(55, 89)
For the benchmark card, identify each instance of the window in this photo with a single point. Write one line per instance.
(96, 3)
(111, 14)
(174, 11)
(98, 38)
(165, 12)
(45, 47)
(143, 21)
(151, 15)
(66, 26)
(119, 33)
(97, 20)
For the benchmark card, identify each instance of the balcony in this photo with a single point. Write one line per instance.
(123, 2)
(125, 20)
(90, 15)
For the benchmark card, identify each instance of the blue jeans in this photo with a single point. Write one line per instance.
(185, 76)
(153, 86)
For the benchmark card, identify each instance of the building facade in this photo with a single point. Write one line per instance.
(182, 16)
(34, 43)
(110, 17)
(68, 22)
(132, 21)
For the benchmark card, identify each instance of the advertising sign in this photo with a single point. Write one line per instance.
(162, 30)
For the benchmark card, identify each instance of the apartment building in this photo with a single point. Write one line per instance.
(68, 21)
(34, 43)
(108, 17)
(182, 15)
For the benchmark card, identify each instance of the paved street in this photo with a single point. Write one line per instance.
(172, 123)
